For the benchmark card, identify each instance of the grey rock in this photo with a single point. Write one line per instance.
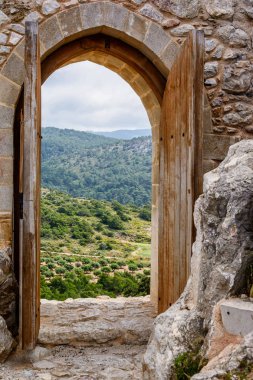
(6, 341)
(49, 7)
(224, 32)
(3, 38)
(234, 37)
(224, 246)
(37, 354)
(211, 69)
(231, 54)
(4, 49)
(236, 119)
(8, 289)
(239, 38)
(33, 16)
(249, 12)
(138, 2)
(4, 19)
(44, 364)
(210, 45)
(18, 28)
(14, 38)
(151, 12)
(218, 52)
(175, 332)
(210, 83)
(170, 23)
(182, 30)
(236, 81)
(180, 8)
(220, 8)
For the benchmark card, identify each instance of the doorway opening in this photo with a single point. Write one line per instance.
(176, 158)
(96, 186)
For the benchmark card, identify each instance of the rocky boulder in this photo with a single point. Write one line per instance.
(6, 341)
(222, 256)
(8, 289)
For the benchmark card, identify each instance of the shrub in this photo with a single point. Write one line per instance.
(106, 269)
(132, 267)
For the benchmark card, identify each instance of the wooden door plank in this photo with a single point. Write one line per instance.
(180, 169)
(31, 188)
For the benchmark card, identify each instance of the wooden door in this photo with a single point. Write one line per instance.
(30, 253)
(180, 168)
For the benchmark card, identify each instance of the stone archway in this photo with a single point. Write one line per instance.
(143, 36)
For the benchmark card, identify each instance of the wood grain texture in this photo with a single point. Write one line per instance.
(31, 190)
(180, 168)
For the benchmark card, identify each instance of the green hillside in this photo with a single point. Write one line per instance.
(91, 247)
(97, 167)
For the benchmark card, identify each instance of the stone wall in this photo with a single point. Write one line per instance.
(92, 322)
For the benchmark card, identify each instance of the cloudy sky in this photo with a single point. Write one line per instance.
(86, 96)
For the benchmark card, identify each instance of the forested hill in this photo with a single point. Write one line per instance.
(97, 167)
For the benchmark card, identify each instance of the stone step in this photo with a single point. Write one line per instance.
(96, 321)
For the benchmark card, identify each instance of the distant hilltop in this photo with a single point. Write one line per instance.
(125, 134)
(121, 134)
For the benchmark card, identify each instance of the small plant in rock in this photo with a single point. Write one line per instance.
(189, 363)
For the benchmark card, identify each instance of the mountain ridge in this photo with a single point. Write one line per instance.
(91, 166)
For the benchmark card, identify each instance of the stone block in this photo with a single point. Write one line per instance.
(6, 171)
(215, 147)
(70, 21)
(6, 117)
(6, 142)
(20, 49)
(150, 11)
(156, 39)
(140, 86)
(128, 73)
(14, 69)
(115, 16)
(50, 34)
(9, 92)
(92, 15)
(6, 198)
(113, 63)
(237, 316)
(137, 27)
(90, 322)
(169, 54)
(149, 100)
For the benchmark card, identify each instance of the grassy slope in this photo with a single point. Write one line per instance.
(91, 247)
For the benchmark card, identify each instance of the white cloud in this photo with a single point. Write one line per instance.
(89, 97)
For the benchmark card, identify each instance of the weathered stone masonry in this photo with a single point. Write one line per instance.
(157, 28)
